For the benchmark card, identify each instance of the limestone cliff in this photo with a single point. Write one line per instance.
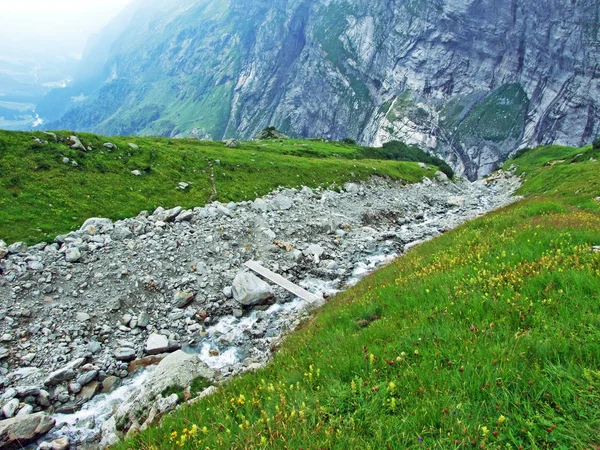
(471, 80)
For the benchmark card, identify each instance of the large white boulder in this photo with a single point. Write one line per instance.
(249, 290)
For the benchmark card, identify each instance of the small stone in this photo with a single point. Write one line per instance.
(82, 317)
(17, 247)
(183, 299)
(60, 444)
(86, 378)
(352, 188)
(94, 347)
(75, 388)
(25, 411)
(156, 344)
(110, 146)
(281, 202)
(10, 408)
(183, 186)
(137, 173)
(72, 254)
(143, 320)
(110, 384)
(228, 292)
(125, 354)
(132, 146)
(35, 265)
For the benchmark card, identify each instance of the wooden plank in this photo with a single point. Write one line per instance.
(284, 283)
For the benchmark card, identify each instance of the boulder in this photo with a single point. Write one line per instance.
(157, 344)
(250, 290)
(23, 430)
(76, 144)
(3, 249)
(110, 146)
(177, 369)
(231, 143)
(121, 233)
(137, 173)
(97, 226)
(132, 146)
(441, 177)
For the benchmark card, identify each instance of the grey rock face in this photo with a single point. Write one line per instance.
(471, 80)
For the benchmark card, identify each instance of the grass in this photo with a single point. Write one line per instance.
(487, 337)
(42, 197)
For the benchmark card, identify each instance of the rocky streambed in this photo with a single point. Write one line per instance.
(95, 327)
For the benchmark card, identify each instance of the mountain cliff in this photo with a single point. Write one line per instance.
(470, 80)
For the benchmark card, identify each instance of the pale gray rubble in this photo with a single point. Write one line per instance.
(80, 314)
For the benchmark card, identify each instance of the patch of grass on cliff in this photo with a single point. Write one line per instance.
(42, 196)
(487, 337)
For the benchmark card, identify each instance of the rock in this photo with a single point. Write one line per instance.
(455, 200)
(3, 249)
(17, 247)
(59, 376)
(89, 391)
(121, 233)
(10, 408)
(76, 144)
(228, 292)
(132, 146)
(94, 347)
(137, 173)
(260, 205)
(110, 384)
(185, 216)
(110, 146)
(250, 290)
(60, 444)
(97, 226)
(352, 188)
(169, 215)
(4, 353)
(281, 202)
(51, 135)
(183, 299)
(87, 377)
(35, 265)
(156, 344)
(125, 354)
(177, 369)
(25, 411)
(231, 143)
(424, 166)
(183, 186)
(143, 319)
(23, 430)
(72, 255)
(82, 317)
(441, 177)
(314, 250)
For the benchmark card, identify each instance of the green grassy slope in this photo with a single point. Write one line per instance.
(42, 197)
(487, 337)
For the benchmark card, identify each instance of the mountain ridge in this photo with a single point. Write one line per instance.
(471, 81)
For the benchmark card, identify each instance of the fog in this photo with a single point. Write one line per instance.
(52, 27)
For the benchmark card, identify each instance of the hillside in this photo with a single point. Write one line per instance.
(472, 80)
(487, 337)
(50, 188)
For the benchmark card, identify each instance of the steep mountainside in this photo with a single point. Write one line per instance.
(471, 80)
